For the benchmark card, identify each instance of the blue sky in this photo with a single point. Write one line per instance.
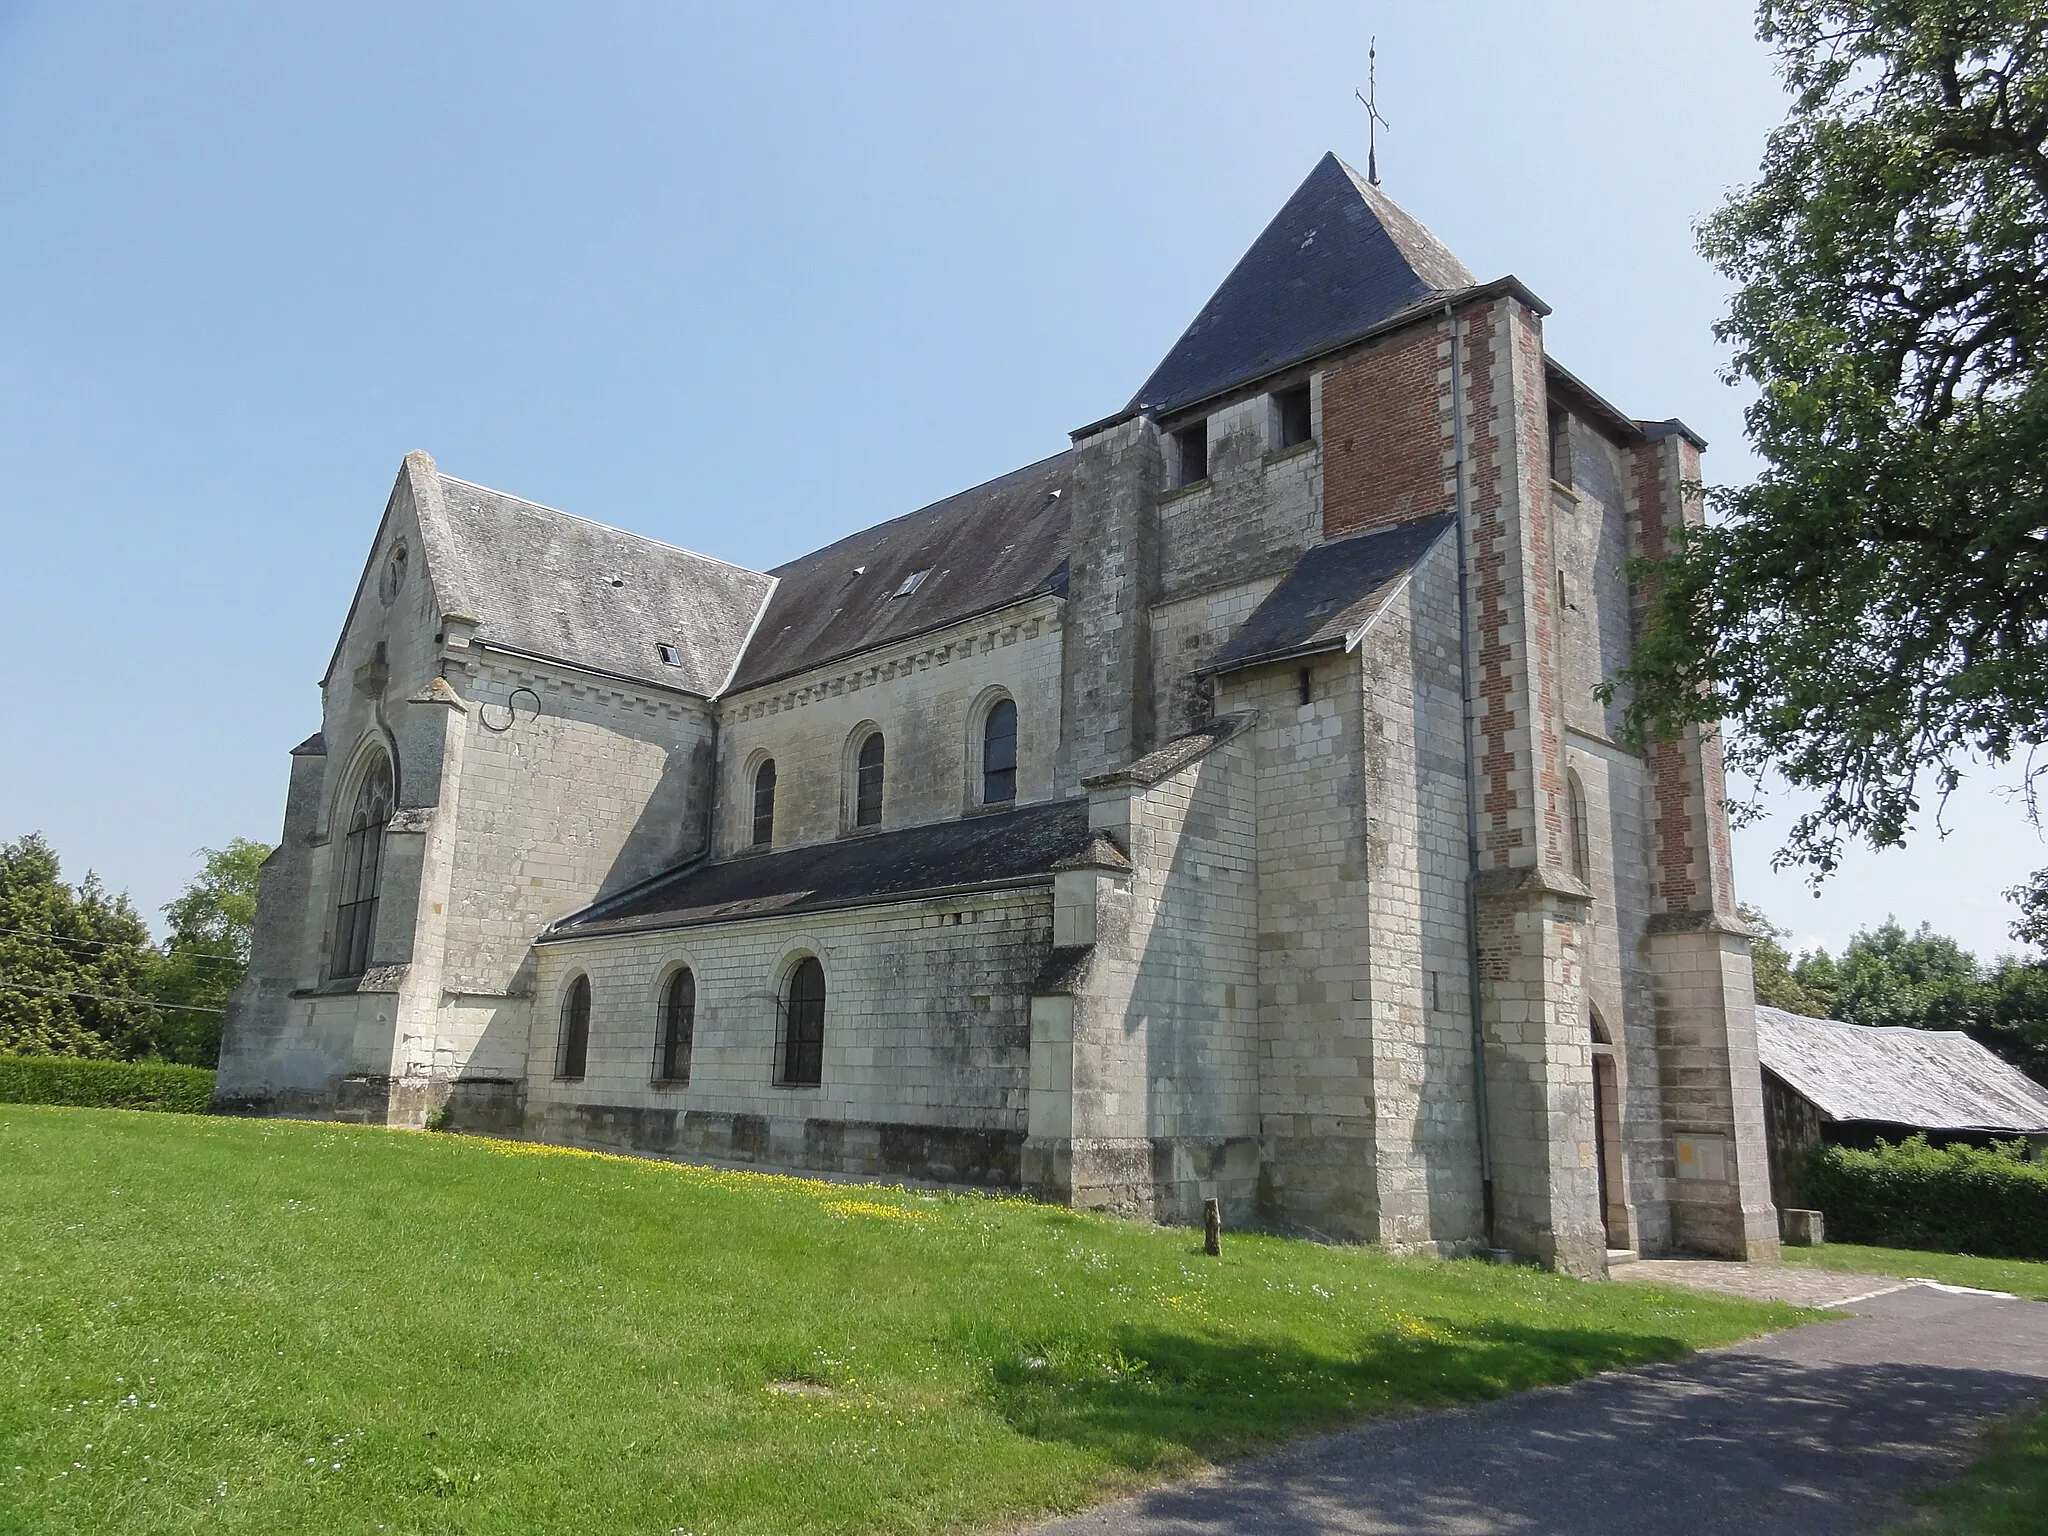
(739, 278)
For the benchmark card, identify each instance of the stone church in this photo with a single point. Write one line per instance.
(1135, 828)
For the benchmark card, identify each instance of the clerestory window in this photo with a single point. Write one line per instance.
(999, 754)
(867, 783)
(764, 804)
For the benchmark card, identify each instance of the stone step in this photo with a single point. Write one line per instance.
(1621, 1256)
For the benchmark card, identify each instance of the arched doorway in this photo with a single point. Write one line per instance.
(1607, 1137)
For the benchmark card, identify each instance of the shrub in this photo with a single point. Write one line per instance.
(104, 1084)
(1989, 1202)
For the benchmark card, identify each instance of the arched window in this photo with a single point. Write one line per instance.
(867, 783)
(576, 1028)
(362, 860)
(999, 754)
(764, 804)
(678, 1026)
(1575, 810)
(803, 1027)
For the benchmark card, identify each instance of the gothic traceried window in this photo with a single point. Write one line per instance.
(999, 754)
(678, 1026)
(362, 860)
(576, 1029)
(803, 1026)
(764, 804)
(867, 783)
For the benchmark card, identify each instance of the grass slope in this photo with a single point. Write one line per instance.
(2022, 1277)
(2004, 1493)
(239, 1326)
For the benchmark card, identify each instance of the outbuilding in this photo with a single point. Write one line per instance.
(1850, 1084)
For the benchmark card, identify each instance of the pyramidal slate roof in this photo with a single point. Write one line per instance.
(551, 584)
(1336, 261)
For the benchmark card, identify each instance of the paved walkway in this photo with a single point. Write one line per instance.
(1812, 1432)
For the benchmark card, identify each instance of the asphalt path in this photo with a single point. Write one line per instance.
(1819, 1430)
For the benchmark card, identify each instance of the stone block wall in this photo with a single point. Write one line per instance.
(929, 696)
(926, 1053)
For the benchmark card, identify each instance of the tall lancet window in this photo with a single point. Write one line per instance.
(362, 860)
(764, 804)
(999, 754)
(867, 783)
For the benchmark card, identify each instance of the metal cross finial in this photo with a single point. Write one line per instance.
(1369, 99)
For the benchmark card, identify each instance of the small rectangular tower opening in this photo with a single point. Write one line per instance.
(1191, 454)
(1291, 416)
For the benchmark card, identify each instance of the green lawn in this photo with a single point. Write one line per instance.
(2022, 1277)
(227, 1325)
(2004, 1493)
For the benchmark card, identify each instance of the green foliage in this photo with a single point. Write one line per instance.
(1922, 980)
(1776, 984)
(1875, 606)
(207, 953)
(87, 1084)
(346, 1327)
(78, 973)
(1992, 1203)
(2003, 1493)
(74, 962)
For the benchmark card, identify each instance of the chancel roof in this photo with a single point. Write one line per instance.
(1010, 848)
(980, 550)
(550, 584)
(1332, 592)
(1337, 260)
(1936, 1080)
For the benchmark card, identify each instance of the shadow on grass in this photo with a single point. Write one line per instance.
(1148, 1398)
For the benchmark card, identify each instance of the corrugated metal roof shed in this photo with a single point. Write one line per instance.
(1935, 1080)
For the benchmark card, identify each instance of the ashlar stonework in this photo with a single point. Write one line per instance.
(1212, 809)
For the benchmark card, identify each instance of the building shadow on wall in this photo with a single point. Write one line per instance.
(673, 827)
(1719, 1443)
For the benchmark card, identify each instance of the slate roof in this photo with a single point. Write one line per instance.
(1332, 592)
(552, 584)
(1337, 260)
(1016, 847)
(983, 549)
(1933, 1080)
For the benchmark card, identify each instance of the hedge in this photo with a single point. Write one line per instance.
(104, 1084)
(1989, 1202)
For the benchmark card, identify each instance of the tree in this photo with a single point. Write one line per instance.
(207, 953)
(1777, 983)
(73, 961)
(1921, 980)
(1873, 610)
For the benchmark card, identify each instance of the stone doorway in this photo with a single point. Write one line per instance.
(1614, 1213)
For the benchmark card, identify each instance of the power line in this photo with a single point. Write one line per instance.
(54, 938)
(101, 997)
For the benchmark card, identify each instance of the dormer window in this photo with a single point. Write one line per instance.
(1191, 454)
(670, 656)
(1290, 417)
(911, 583)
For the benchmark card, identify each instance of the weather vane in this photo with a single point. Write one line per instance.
(1369, 99)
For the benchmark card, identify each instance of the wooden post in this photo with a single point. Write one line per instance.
(1212, 1227)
